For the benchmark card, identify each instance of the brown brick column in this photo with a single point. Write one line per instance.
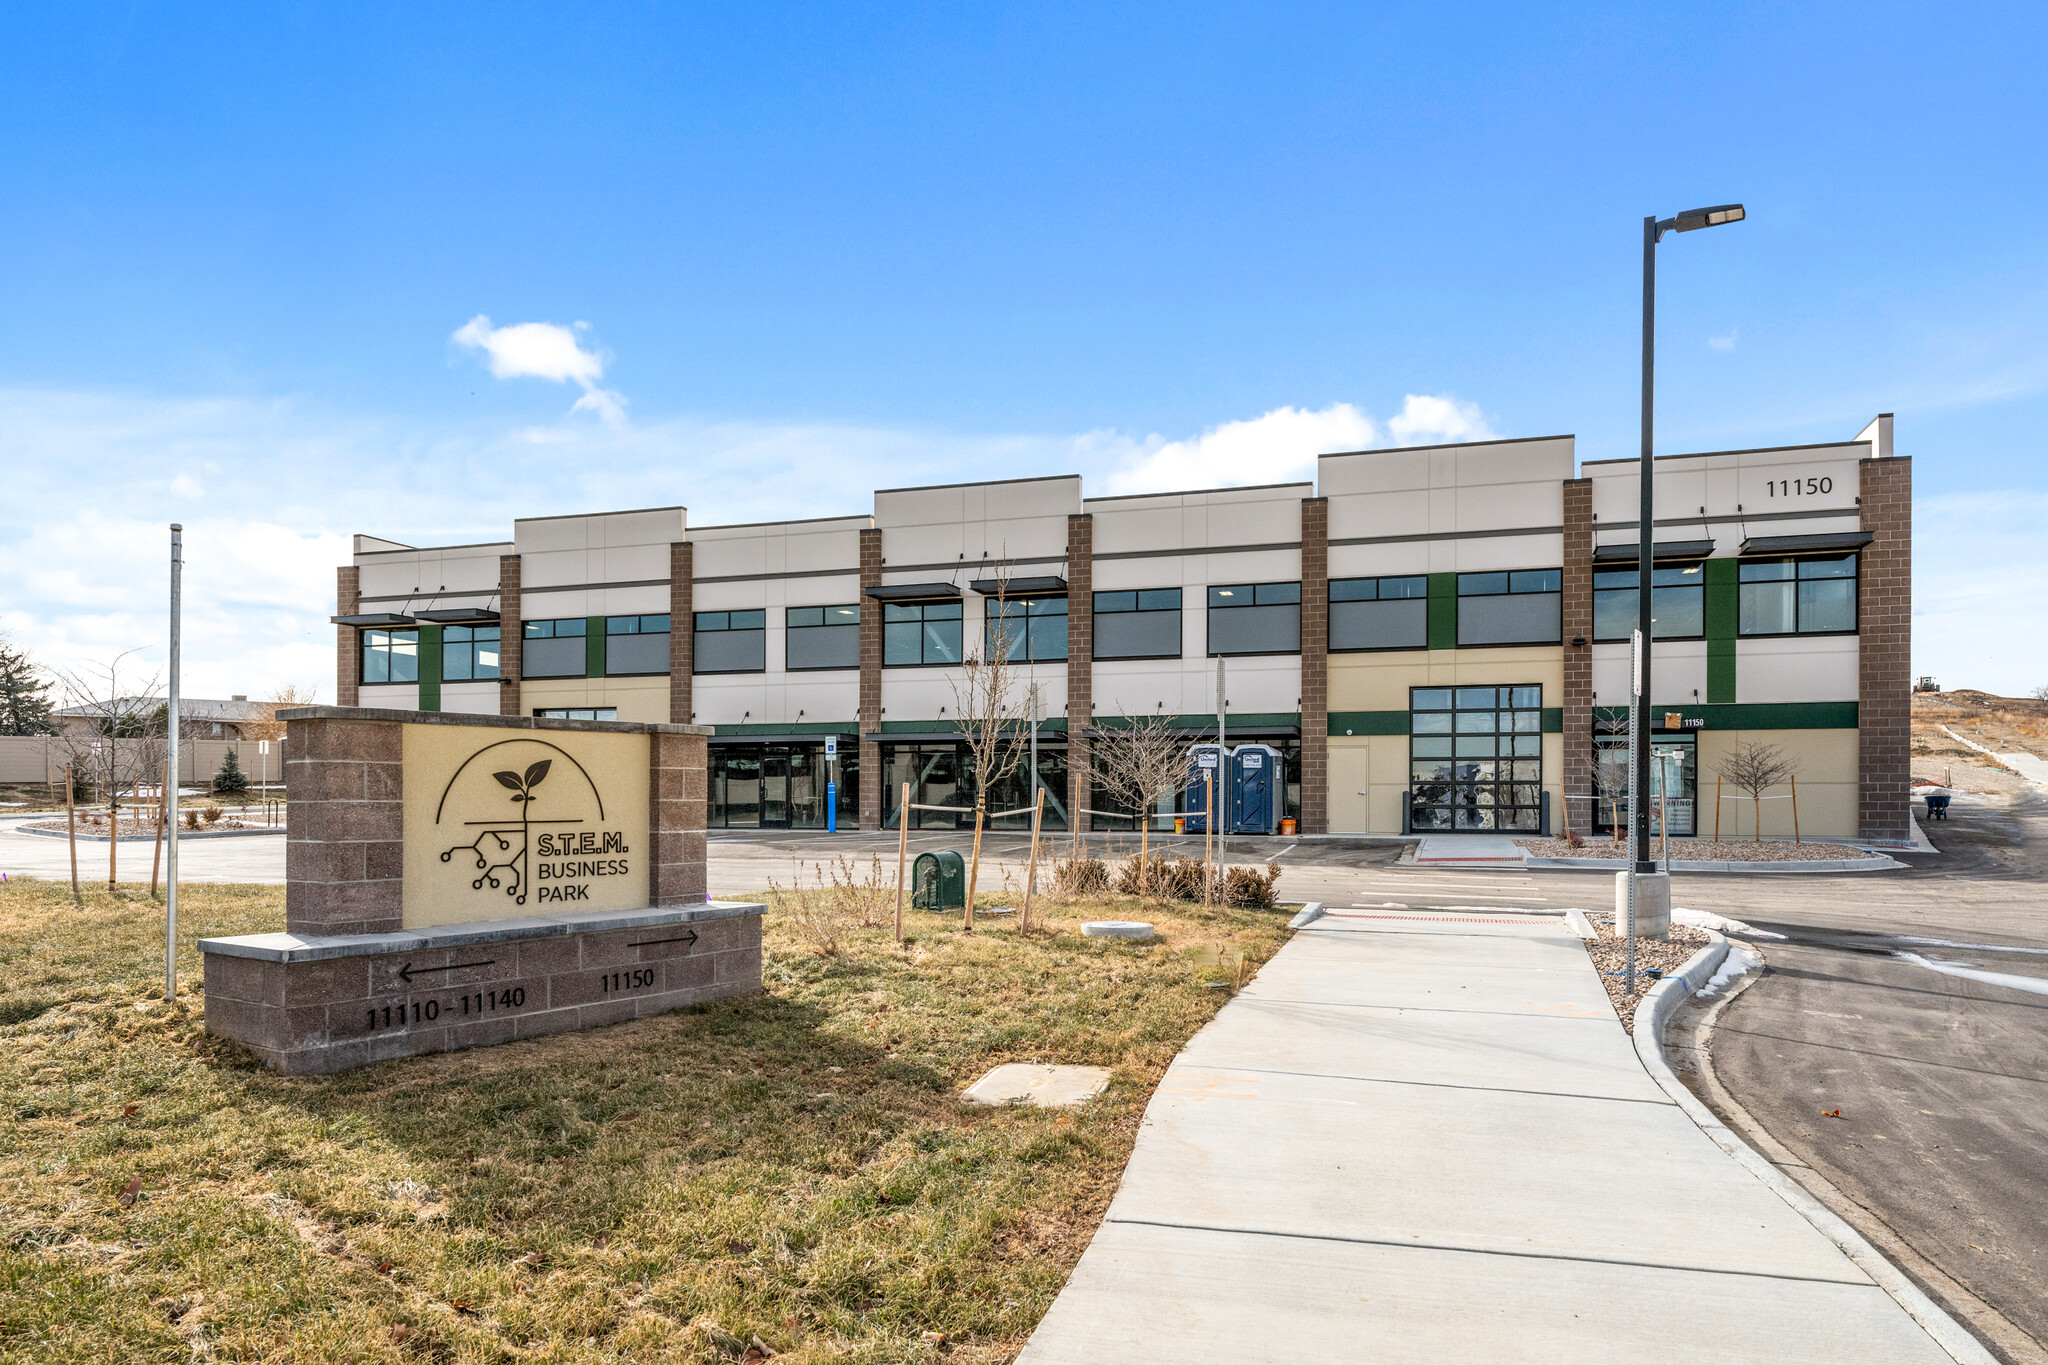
(1315, 665)
(511, 636)
(1080, 664)
(344, 845)
(682, 634)
(1577, 778)
(677, 792)
(1884, 624)
(870, 679)
(348, 640)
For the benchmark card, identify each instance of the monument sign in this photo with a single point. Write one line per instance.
(461, 880)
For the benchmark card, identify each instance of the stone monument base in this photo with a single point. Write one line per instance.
(313, 1005)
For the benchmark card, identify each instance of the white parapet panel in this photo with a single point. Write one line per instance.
(975, 525)
(1734, 493)
(445, 575)
(597, 549)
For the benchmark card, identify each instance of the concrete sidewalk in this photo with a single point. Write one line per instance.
(1425, 1138)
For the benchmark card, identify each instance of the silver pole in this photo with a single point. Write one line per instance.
(171, 797)
(1222, 816)
(1033, 793)
(1638, 836)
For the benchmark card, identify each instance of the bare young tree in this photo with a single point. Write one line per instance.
(1142, 760)
(263, 722)
(991, 712)
(1755, 768)
(114, 732)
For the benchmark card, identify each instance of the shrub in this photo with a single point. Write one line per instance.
(191, 819)
(1249, 888)
(213, 814)
(1077, 877)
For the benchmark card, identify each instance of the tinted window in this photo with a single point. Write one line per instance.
(730, 642)
(1520, 607)
(823, 637)
(920, 633)
(1379, 613)
(1255, 618)
(554, 649)
(1144, 624)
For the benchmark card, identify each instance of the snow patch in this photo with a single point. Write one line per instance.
(1707, 919)
(1740, 962)
(2032, 984)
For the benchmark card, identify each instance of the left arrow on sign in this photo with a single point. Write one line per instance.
(408, 971)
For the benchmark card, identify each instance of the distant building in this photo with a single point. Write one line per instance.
(1434, 638)
(200, 718)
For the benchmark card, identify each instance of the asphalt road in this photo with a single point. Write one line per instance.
(1941, 1080)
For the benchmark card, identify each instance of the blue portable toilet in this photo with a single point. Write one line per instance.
(1205, 760)
(1255, 790)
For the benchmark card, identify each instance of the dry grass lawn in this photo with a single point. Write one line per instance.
(795, 1166)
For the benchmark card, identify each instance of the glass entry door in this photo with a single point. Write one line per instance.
(1475, 758)
(775, 789)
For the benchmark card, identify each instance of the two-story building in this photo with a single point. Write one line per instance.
(1434, 638)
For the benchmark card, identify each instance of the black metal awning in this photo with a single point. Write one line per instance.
(458, 616)
(1789, 545)
(375, 618)
(914, 592)
(1047, 585)
(1628, 552)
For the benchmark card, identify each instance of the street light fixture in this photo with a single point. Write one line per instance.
(1653, 230)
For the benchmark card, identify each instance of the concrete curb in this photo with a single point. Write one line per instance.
(184, 835)
(1307, 915)
(1652, 1012)
(1873, 864)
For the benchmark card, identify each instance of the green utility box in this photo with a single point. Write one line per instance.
(938, 881)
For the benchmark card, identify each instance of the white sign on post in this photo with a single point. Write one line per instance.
(831, 746)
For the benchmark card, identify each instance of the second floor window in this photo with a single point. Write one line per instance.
(1797, 596)
(1255, 618)
(1678, 602)
(1028, 629)
(732, 642)
(920, 633)
(469, 653)
(636, 645)
(391, 656)
(1522, 607)
(1379, 613)
(554, 648)
(1143, 624)
(822, 637)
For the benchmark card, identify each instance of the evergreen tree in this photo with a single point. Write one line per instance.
(24, 695)
(230, 780)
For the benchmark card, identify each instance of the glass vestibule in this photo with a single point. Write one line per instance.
(1475, 758)
(780, 786)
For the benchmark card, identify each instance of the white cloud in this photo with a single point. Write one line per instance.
(545, 350)
(1439, 419)
(1726, 343)
(1279, 446)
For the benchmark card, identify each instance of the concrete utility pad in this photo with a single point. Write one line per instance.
(1425, 1138)
(1048, 1087)
(1116, 928)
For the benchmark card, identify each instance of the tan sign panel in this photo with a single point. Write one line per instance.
(504, 828)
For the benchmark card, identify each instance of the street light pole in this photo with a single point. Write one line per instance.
(1641, 856)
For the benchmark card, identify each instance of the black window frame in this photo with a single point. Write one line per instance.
(1459, 700)
(1513, 584)
(996, 609)
(1258, 600)
(1632, 587)
(567, 712)
(724, 626)
(545, 628)
(462, 640)
(958, 617)
(1854, 578)
(1379, 595)
(790, 627)
(1140, 607)
(365, 647)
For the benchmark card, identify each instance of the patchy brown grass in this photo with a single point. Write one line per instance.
(795, 1167)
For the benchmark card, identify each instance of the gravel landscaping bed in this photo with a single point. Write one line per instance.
(146, 829)
(1702, 850)
(1658, 955)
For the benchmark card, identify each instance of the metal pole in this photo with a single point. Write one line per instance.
(1639, 739)
(902, 848)
(1638, 837)
(71, 831)
(1222, 750)
(1034, 753)
(171, 844)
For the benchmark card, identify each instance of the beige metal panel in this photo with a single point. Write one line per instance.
(1827, 771)
(1549, 460)
(1380, 681)
(390, 575)
(1732, 483)
(470, 698)
(1122, 575)
(1493, 553)
(1371, 474)
(829, 545)
(637, 699)
(660, 526)
(1133, 524)
(550, 535)
(1397, 512)
(821, 697)
(1788, 668)
(1377, 561)
(916, 694)
(397, 696)
(1611, 670)
(1021, 519)
(627, 601)
(1503, 506)
(1678, 673)
(735, 699)
(371, 544)
(543, 606)
(554, 568)
(1144, 686)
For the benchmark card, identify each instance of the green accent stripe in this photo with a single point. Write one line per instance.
(914, 727)
(1368, 722)
(593, 646)
(1553, 720)
(1721, 595)
(1788, 715)
(1443, 611)
(430, 666)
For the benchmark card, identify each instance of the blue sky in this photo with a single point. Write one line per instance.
(814, 250)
